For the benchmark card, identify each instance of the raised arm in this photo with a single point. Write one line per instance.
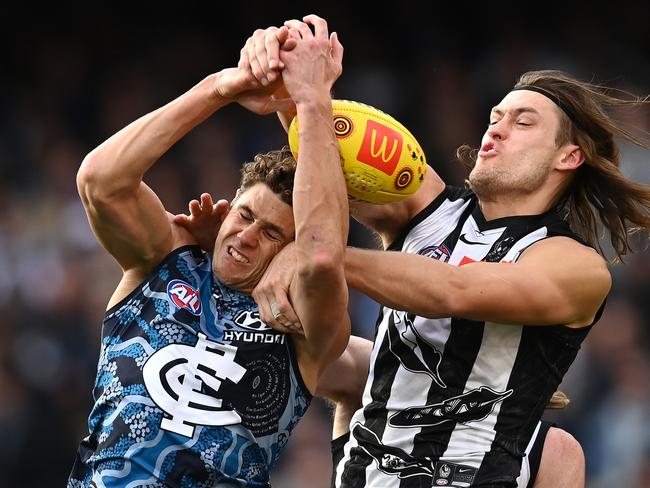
(262, 56)
(127, 217)
(318, 291)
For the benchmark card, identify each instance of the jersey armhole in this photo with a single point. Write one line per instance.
(195, 248)
(293, 357)
(449, 193)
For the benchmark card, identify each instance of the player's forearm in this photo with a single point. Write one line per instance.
(320, 196)
(287, 116)
(402, 281)
(119, 163)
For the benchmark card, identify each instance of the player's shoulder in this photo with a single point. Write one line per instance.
(567, 252)
(576, 272)
(565, 246)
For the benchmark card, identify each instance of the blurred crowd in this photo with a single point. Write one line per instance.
(68, 86)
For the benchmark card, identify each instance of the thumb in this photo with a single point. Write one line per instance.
(282, 34)
(289, 44)
(181, 219)
(337, 47)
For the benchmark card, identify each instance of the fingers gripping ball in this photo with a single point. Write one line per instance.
(381, 160)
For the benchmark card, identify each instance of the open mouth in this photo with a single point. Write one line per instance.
(237, 256)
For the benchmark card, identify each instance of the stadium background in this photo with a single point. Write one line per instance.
(69, 79)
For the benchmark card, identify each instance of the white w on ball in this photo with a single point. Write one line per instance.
(381, 160)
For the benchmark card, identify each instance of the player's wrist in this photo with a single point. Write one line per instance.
(219, 92)
(315, 103)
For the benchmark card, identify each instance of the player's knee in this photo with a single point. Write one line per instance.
(563, 461)
(567, 447)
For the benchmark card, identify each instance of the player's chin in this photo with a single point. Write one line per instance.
(237, 279)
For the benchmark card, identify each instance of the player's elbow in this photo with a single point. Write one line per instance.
(88, 181)
(96, 184)
(90, 178)
(86, 170)
(321, 265)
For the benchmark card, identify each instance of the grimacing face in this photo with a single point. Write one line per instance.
(258, 225)
(518, 150)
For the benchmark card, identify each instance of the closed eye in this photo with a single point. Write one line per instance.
(245, 216)
(272, 235)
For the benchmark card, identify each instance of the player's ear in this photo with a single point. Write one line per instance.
(572, 158)
(237, 195)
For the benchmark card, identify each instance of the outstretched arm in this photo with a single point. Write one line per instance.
(320, 206)
(555, 281)
(125, 214)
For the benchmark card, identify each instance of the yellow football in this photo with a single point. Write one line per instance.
(381, 160)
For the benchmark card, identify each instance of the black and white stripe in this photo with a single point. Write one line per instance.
(452, 401)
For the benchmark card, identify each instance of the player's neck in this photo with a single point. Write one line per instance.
(513, 205)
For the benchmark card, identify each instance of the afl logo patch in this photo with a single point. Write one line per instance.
(184, 296)
(441, 252)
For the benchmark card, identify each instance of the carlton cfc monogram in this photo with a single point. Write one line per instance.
(175, 376)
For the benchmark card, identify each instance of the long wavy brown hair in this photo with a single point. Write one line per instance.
(599, 194)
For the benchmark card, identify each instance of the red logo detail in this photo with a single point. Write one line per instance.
(381, 147)
(466, 260)
(184, 296)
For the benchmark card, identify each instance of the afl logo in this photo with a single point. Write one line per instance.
(343, 126)
(441, 253)
(184, 296)
(403, 179)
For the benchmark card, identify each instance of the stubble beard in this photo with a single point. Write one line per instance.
(491, 183)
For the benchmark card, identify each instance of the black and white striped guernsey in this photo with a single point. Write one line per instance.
(450, 401)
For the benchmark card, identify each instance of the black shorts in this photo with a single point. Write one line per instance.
(534, 456)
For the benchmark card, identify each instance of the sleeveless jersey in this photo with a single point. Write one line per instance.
(451, 401)
(192, 389)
